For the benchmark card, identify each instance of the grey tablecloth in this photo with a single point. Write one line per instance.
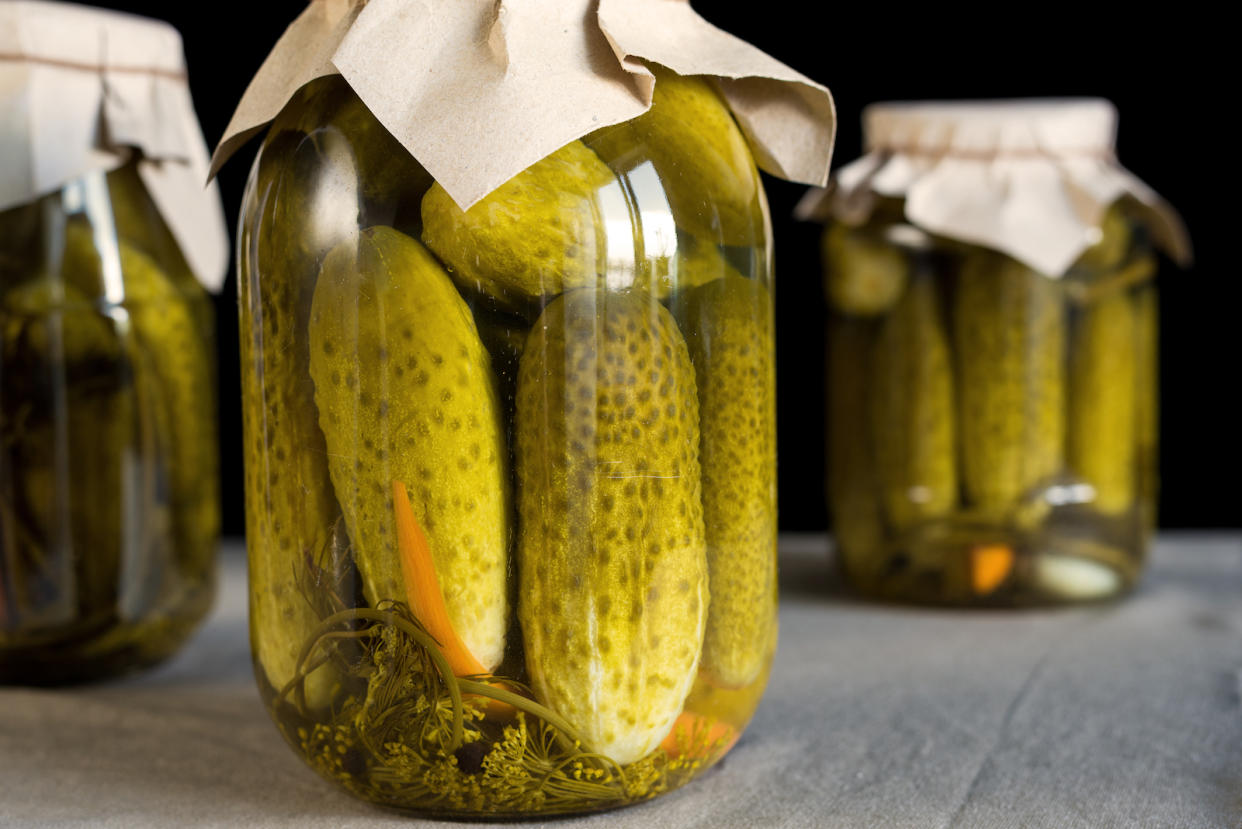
(1127, 716)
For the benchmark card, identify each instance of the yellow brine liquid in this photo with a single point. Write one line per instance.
(510, 471)
(991, 428)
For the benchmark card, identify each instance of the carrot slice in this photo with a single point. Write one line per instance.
(422, 586)
(990, 564)
(687, 739)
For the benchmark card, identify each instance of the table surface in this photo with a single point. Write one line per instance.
(1126, 715)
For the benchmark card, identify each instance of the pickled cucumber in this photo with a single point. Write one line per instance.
(913, 419)
(68, 488)
(853, 501)
(36, 316)
(537, 235)
(702, 159)
(290, 507)
(863, 275)
(388, 178)
(169, 343)
(728, 329)
(405, 392)
(21, 231)
(612, 554)
(1009, 332)
(66, 455)
(1084, 287)
(1147, 402)
(139, 223)
(1113, 245)
(1103, 397)
(694, 263)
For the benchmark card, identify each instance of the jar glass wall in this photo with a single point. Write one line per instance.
(510, 472)
(108, 464)
(992, 430)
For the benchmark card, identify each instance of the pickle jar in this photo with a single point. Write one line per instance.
(109, 503)
(991, 383)
(510, 469)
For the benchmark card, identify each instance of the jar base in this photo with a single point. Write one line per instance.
(1074, 556)
(509, 762)
(111, 649)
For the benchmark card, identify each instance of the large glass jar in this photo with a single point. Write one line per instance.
(108, 480)
(510, 472)
(991, 422)
(992, 429)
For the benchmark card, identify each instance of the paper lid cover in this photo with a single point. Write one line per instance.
(1030, 178)
(80, 90)
(478, 90)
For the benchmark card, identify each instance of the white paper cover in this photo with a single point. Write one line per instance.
(478, 90)
(80, 90)
(1029, 178)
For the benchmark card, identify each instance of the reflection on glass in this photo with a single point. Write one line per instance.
(108, 489)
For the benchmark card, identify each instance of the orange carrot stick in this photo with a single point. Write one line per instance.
(688, 740)
(990, 564)
(422, 586)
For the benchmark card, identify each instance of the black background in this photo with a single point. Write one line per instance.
(1158, 70)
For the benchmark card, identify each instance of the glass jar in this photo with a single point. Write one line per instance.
(992, 353)
(510, 472)
(108, 465)
(992, 429)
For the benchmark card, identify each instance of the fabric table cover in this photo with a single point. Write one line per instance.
(1120, 715)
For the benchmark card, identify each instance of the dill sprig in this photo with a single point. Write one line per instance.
(412, 735)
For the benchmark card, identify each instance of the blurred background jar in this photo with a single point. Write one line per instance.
(109, 493)
(992, 354)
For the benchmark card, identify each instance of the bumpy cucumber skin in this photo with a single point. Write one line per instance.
(290, 506)
(701, 156)
(533, 237)
(913, 418)
(1010, 334)
(613, 595)
(728, 329)
(405, 392)
(1103, 401)
(863, 276)
(853, 493)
